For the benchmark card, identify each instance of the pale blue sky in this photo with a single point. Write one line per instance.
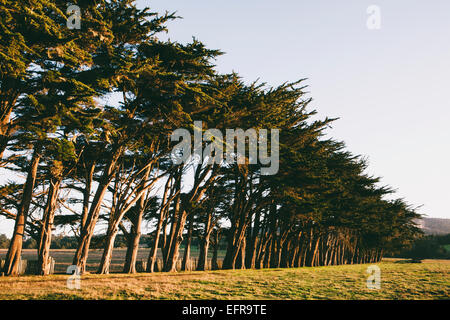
(389, 86)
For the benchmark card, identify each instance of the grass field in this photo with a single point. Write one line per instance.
(399, 280)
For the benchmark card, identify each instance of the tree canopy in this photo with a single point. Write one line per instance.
(88, 163)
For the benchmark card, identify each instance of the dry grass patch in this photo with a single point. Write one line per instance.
(428, 280)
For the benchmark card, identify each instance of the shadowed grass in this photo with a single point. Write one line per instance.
(428, 280)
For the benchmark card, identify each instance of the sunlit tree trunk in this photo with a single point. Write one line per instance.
(13, 256)
(204, 244)
(47, 227)
(133, 244)
(81, 254)
(187, 251)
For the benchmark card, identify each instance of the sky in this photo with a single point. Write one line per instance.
(388, 87)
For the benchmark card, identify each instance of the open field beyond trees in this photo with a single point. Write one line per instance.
(399, 280)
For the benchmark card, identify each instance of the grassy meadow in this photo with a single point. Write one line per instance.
(399, 280)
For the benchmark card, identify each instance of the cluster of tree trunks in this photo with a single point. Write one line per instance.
(316, 207)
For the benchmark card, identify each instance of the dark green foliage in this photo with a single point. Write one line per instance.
(4, 241)
(428, 247)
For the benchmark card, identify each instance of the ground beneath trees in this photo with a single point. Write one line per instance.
(399, 280)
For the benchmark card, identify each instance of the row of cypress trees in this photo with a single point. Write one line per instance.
(87, 163)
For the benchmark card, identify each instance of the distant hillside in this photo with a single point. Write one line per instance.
(435, 225)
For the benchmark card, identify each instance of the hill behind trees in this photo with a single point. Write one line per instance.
(435, 226)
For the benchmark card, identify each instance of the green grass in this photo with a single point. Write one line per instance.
(428, 280)
(64, 257)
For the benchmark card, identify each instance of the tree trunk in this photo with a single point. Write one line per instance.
(252, 243)
(8, 97)
(177, 238)
(241, 256)
(204, 245)
(87, 192)
(135, 232)
(81, 254)
(161, 221)
(234, 245)
(13, 256)
(173, 236)
(46, 229)
(105, 262)
(314, 253)
(214, 262)
(187, 251)
(133, 244)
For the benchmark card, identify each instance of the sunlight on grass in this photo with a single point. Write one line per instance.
(428, 280)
